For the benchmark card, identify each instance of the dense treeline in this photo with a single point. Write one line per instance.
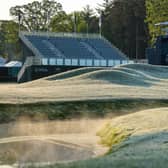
(128, 24)
(124, 25)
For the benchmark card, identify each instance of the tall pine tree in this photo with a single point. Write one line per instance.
(124, 25)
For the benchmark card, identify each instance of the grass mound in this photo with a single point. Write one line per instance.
(72, 73)
(117, 77)
(51, 80)
(141, 75)
(142, 71)
(138, 73)
(116, 83)
(152, 70)
(131, 74)
(143, 121)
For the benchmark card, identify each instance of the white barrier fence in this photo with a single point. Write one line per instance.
(84, 62)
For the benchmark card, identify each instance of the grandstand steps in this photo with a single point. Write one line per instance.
(91, 49)
(53, 48)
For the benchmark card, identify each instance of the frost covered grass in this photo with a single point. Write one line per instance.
(135, 139)
(125, 82)
(145, 147)
(72, 73)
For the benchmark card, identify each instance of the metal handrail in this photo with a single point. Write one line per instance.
(62, 34)
(40, 61)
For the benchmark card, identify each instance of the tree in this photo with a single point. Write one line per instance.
(87, 15)
(79, 22)
(62, 23)
(36, 16)
(156, 12)
(9, 40)
(73, 22)
(123, 25)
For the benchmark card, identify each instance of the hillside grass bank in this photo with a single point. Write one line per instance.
(76, 109)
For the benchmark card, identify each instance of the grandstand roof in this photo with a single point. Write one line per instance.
(71, 46)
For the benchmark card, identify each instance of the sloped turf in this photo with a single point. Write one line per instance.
(72, 73)
(132, 75)
(117, 77)
(141, 75)
(152, 70)
(137, 81)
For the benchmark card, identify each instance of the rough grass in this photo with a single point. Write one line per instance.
(76, 109)
(112, 136)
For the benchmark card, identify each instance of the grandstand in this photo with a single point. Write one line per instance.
(50, 53)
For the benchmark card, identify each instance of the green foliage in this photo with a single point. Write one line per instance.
(123, 25)
(84, 20)
(81, 109)
(112, 136)
(36, 15)
(9, 40)
(87, 15)
(156, 12)
(62, 22)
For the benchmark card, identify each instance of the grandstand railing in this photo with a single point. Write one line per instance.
(84, 62)
(30, 61)
(74, 62)
(62, 34)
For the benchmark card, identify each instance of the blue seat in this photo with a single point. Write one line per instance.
(72, 47)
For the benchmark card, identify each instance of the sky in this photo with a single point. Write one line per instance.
(68, 5)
